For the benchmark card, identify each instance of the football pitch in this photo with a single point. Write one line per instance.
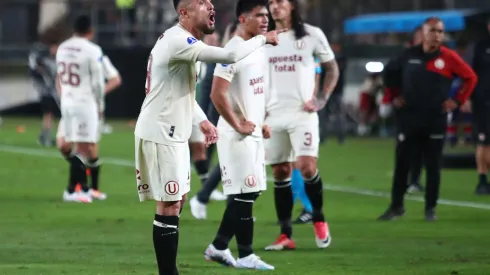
(39, 234)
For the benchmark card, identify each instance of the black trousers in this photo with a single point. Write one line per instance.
(425, 141)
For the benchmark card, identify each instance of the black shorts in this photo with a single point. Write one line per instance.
(481, 118)
(48, 105)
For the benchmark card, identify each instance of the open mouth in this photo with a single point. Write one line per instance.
(211, 17)
(264, 28)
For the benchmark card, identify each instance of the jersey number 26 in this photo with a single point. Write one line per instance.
(69, 74)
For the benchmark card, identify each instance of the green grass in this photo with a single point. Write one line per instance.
(39, 234)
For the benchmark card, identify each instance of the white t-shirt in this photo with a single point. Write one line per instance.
(169, 109)
(80, 70)
(292, 68)
(246, 93)
(109, 70)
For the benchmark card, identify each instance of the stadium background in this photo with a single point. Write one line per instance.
(40, 235)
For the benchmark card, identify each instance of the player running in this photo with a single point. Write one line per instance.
(169, 110)
(81, 83)
(111, 75)
(239, 94)
(292, 115)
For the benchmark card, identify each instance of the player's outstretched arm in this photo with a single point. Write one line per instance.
(212, 54)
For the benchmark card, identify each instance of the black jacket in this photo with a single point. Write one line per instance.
(481, 65)
(424, 81)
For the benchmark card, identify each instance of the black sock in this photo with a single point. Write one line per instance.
(202, 169)
(314, 190)
(482, 179)
(78, 173)
(94, 166)
(226, 228)
(165, 242)
(244, 231)
(283, 198)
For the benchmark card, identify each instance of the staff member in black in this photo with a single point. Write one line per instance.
(421, 77)
(481, 111)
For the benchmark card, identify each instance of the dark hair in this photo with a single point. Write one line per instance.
(296, 21)
(176, 4)
(82, 24)
(244, 6)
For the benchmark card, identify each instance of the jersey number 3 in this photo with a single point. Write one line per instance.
(148, 75)
(69, 74)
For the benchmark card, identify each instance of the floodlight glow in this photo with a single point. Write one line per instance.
(374, 67)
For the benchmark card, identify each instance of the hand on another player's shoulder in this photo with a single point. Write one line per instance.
(209, 131)
(266, 132)
(272, 37)
(246, 127)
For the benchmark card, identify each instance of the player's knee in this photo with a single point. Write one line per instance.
(281, 171)
(168, 208)
(307, 166)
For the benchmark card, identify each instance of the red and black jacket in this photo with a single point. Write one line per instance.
(424, 80)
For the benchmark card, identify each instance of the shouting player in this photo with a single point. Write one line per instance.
(81, 83)
(168, 113)
(239, 96)
(293, 118)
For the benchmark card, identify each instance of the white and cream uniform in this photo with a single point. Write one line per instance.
(242, 158)
(109, 72)
(170, 110)
(81, 76)
(292, 83)
(196, 134)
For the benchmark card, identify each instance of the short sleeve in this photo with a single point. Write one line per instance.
(186, 48)
(322, 49)
(225, 71)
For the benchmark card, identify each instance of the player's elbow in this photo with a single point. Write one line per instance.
(232, 57)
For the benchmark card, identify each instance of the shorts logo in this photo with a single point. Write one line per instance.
(143, 188)
(172, 188)
(138, 174)
(250, 181)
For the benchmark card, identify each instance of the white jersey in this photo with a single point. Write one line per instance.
(109, 70)
(246, 93)
(292, 68)
(168, 111)
(80, 71)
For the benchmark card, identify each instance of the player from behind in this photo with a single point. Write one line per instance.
(239, 96)
(292, 115)
(169, 110)
(81, 83)
(111, 75)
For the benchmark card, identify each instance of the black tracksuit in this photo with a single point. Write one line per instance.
(481, 95)
(423, 80)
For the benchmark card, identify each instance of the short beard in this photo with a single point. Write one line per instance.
(208, 30)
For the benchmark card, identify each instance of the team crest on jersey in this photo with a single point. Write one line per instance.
(299, 44)
(439, 64)
(191, 40)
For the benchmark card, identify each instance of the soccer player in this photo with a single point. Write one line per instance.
(169, 110)
(293, 118)
(111, 75)
(81, 83)
(239, 94)
(42, 68)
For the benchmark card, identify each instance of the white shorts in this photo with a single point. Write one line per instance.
(162, 171)
(61, 128)
(79, 124)
(196, 135)
(242, 162)
(292, 136)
